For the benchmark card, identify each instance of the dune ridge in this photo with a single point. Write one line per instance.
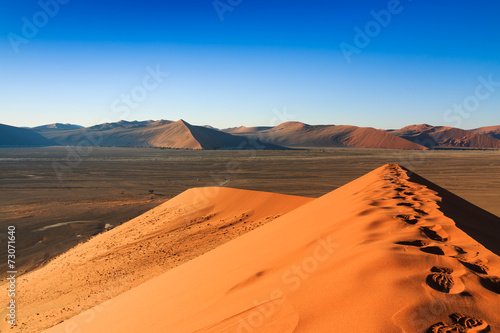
(300, 135)
(192, 223)
(244, 129)
(292, 134)
(163, 134)
(376, 255)
(57, 126)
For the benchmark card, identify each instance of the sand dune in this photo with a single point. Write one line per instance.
(162, 133)
(443, 136)
(57, 126)
(493, 131)
(246, 130)
(380, 254)
(297, 134)
(182, 135)
(16, 136)
(211, 127)
(194, 222)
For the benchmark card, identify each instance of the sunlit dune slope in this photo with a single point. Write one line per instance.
(376, 255)
(192, 223)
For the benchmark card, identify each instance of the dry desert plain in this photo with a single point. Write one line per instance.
(110, 186)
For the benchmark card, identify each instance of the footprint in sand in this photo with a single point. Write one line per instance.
(469, 322)
(408, 218)
(446, 270)
(442, 280)
(377, 203)
(442, 328)
(417, 243)
(420, 211)
(491, 283)
(476, 266)
(436, 233)
(440, 250)
(433, 250)
(461, 324)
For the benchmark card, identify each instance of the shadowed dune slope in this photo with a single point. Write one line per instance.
(15, 136)
(192, 223)
(162, 133)
(376, 255)
(212, 139)
(476, 222)
(442, 136)
(246, 130)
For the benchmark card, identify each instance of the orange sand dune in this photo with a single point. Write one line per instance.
(246, 130)
(493, 131)
(162, 133)
(443, 136)
(297, 134)
(194, 222)
(376, 255)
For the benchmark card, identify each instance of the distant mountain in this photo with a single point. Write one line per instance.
(130, 124)
(493, 131)
(15, 136)
(162, 133)
(57, 126)
(211, 127)
(293, 134)
(300, 135)
(246, 130)
(443, 136)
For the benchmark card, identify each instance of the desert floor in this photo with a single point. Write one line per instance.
(103, 187)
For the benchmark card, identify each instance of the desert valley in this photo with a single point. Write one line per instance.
(231, 166)
(259, 239)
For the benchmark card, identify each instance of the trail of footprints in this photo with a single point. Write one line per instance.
(461, 324)
(442, 279)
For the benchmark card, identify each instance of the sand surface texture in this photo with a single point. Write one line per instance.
(376, 255)
(113, 262)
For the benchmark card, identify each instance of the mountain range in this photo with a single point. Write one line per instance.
(161, 133)
(182, 135)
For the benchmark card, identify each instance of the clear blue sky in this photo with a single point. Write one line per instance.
(262, 58)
